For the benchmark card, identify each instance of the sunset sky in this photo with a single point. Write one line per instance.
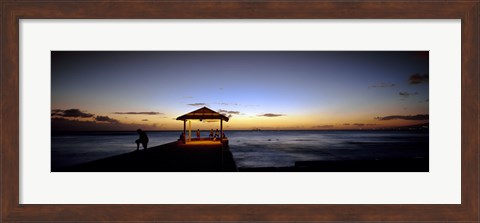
(126, 90)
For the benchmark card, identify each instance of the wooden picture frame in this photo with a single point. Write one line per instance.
(12, 11)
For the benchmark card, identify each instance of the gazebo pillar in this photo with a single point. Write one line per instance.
(184, 130)
(221, 130)
(184, 126)
(189, 130)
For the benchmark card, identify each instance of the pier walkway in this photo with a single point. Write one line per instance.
(201, 156)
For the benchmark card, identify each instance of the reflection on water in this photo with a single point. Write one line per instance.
(254, 148)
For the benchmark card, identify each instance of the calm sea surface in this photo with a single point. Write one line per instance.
(254, 148)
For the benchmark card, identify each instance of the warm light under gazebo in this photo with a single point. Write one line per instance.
(201, 114)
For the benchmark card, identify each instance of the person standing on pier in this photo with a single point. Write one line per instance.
(198, 134)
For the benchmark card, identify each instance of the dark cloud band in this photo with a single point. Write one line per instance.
(100, 118)
(418, 78)
(229, 112)
(404, 117)
(198, 104)
(323, 126)
(71, 113)
(407, 94)
(363, 124)
(138, 113)
(382, 85)
(271, 115)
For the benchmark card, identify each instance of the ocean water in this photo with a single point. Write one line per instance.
(253, 148)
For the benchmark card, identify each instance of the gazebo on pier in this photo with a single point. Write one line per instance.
(201, 114)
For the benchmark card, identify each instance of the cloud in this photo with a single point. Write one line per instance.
(407, 94)
(144, 120)
(229, 112)
(75, 114)
(71, 113)
(346, 123)
(138, 113)
(226, 103)
(56, 111)
(382, 85)
(404, 117)
(100, 118)
(214, 103)
(363, 124)
(63, 124)
(323, 126)
(418, 78)
(271, 115)
(198, 104)
(423, 101)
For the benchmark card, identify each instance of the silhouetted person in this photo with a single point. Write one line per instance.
(223, 136)
(211, 134)
(182, 137)
(143, 139)
(217, 135)
(198, 133)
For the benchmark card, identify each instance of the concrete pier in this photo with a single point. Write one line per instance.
(201, 156)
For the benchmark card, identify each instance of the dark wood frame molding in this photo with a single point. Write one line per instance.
(14, 10)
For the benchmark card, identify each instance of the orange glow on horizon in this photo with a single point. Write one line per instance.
(249, 122)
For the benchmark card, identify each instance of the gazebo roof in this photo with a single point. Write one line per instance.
(203, 113)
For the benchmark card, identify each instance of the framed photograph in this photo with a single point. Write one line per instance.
(239, 111)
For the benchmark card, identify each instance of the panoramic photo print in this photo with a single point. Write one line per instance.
(240, 111)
